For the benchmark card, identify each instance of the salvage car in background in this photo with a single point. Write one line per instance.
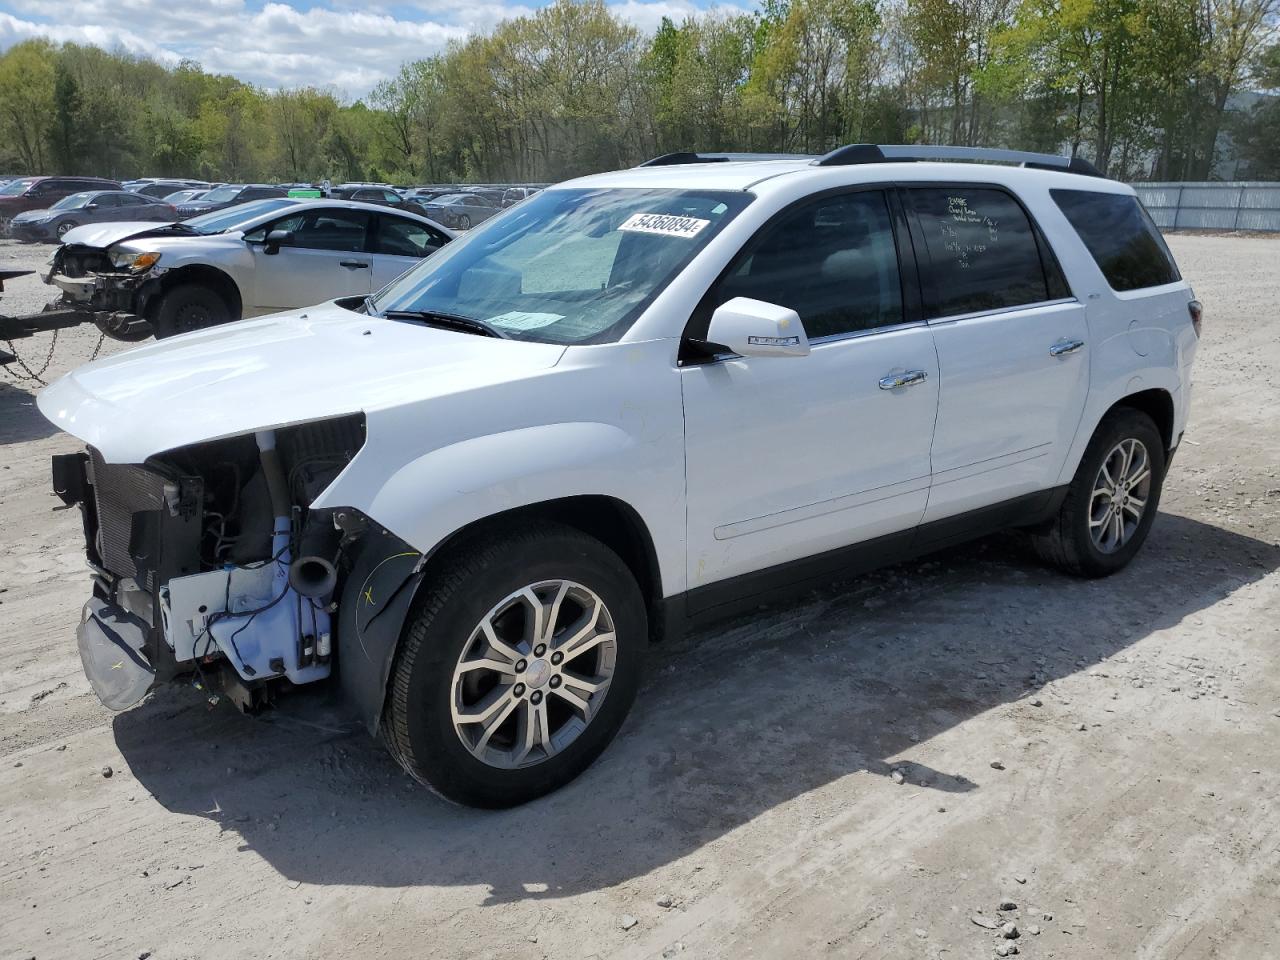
(461, 210)
(93, 206)
(229, 195)
(37, 193)
(275, 254)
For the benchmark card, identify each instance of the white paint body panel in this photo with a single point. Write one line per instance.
(732, 466)
(789, 457)
(1008, 411)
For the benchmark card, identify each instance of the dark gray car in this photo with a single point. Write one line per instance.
(93, 206)
(460, 210)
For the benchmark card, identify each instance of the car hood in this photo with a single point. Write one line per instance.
(105, 234)
(30, 215)
(292, 367)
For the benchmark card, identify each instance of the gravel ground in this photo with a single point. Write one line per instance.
(1103, 755)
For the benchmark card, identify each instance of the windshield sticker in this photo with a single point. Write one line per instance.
(664, 225)
(521, 320)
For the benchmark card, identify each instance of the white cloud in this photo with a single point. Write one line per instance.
(346, 45)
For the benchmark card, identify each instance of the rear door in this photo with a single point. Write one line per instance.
(325, 259)
(791, 457)
(398, 244)
(1012, 347)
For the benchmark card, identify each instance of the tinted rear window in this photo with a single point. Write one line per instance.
(1120, 235)
(982, 248)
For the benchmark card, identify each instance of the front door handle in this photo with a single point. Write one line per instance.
(353, 264)
(1064, 347)
(907, 378)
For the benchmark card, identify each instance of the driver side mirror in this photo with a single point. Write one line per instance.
(754, 328)
(275, 240)
(91, 206)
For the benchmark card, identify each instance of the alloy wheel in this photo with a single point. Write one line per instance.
(533, 674)
(1120, 494)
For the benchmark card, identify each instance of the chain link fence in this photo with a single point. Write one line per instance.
(1243, 205)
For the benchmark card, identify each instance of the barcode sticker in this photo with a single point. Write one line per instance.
(664, 225)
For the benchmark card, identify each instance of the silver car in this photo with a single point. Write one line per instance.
(137, 279)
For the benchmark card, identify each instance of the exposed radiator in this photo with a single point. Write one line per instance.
(119, 491)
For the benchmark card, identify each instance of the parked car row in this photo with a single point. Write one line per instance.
(48, 217)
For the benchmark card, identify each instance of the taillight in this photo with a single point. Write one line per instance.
(1196, 309)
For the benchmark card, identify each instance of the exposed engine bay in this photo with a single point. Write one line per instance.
(208, 560)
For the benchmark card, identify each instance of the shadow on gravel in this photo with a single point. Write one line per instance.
(733, 721)
(20, 421)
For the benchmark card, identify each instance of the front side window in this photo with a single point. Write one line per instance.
(342, 230)
(568, 266)
(983, 251)
(1121, 238)
(833, 261)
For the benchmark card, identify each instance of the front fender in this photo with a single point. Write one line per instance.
(435, 495)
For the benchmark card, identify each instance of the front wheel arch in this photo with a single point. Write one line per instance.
(216, 280)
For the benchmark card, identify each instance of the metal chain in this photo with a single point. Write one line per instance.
(35, 375)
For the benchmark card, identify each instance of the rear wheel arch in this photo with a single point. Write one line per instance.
(1157, 404)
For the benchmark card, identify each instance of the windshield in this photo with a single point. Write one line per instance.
(73, 202)
(223, 194)
(223, 220)
(566, 266)
(15, 188)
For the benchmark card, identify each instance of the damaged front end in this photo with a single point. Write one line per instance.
(113, 289)
(208, 560)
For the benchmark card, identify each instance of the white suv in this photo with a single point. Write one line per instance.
(629, 402)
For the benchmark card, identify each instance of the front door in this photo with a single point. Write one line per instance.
(1012, 349)
(791, 457)
(324, 259)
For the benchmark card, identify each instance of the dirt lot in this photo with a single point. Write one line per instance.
(1137, 721)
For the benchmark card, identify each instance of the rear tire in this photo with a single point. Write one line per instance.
(1112, 500)
(188, 307)
(475, 646)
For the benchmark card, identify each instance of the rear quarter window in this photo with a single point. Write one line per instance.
(984, 252)
(1121, 238)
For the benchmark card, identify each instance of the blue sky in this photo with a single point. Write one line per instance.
(346, 45)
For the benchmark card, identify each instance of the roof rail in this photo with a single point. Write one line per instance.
(890, 153)
(669, 159)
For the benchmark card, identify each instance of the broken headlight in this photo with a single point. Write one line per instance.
(133, 262)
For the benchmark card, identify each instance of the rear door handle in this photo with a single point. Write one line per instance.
(908, 378)
(353, 264)
(1064, 347)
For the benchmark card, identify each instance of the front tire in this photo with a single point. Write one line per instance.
(1112, 500)
(188, 307)
(464, 222)
(65, 227)
(518, 666)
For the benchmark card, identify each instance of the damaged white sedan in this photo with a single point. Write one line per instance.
(626, 403)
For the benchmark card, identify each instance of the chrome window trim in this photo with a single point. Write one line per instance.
(995, 311)
(869, 332)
